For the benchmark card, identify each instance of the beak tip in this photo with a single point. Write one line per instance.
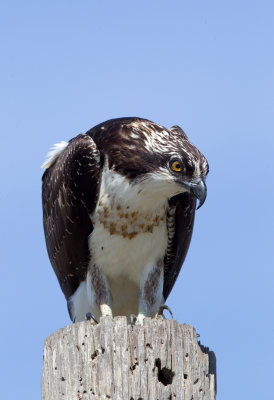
(200, 192)
(201, 202)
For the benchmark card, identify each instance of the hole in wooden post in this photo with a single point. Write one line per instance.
(94, 355)
(165, 375)
(133, 366)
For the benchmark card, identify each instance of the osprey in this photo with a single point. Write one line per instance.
(118, 211)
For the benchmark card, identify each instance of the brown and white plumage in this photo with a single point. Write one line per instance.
(118, 220)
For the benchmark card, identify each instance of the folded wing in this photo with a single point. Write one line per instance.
(180, 222)
(69, 196)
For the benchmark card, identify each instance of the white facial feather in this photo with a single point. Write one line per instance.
(161, 183)
(150, 192)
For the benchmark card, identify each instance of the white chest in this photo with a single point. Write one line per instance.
(130, 235)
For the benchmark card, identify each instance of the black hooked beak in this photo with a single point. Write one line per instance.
(197, 186)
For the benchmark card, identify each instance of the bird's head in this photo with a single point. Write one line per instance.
(185, 168)
(163, 162)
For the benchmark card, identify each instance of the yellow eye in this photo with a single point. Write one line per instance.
(176, 166)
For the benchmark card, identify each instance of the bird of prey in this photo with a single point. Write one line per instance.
(118, 212)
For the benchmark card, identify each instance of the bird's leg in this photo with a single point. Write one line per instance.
(151, 292)
(102, 291)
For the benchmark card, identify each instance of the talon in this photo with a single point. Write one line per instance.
(160, 313)
(89, 316)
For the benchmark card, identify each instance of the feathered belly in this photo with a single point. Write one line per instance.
(126, 261)
(120, 256)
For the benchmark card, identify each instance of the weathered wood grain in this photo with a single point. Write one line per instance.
(112, 360)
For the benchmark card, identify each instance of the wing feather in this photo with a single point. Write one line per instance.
(69, 195)
(180, 220)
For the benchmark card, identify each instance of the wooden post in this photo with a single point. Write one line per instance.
(113, 360)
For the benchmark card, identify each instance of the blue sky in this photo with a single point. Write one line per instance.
(207, 66)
